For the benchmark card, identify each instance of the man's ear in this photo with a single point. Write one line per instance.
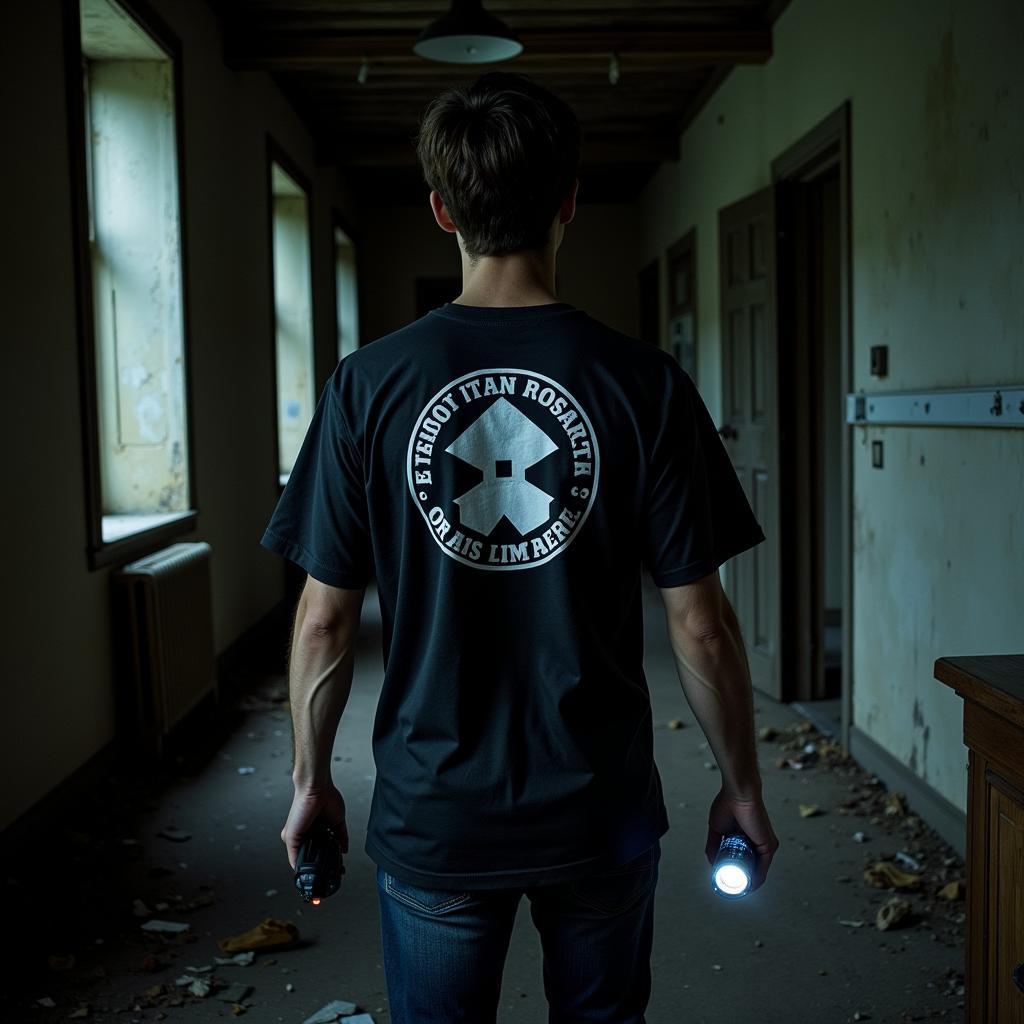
(568, 208)
(441, 212)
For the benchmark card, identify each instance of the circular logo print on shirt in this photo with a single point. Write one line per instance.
(503, 466)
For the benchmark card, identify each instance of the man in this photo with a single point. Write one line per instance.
(505, 466)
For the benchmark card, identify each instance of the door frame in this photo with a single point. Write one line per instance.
(824, 147)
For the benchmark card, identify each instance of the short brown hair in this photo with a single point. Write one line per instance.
(502, 155)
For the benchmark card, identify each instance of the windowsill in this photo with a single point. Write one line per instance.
(139, 536)
(117, 527)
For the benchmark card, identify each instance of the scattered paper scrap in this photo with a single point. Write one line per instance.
(892, 913)
(331, 1011)
(234, 993)
(809, 810)
(246, 769)
(78, 1014)
(139, 909)
(270, 933)
(172, 927)
(909, 862)
(47, 1002)
(239, 959)
(885, 875)
(851, 924)
(859, 837)
(200, 987)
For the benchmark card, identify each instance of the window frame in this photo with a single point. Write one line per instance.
(339, 220)
(277, 154)
(100, 553)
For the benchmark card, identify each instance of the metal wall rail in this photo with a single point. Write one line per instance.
(1001, 406)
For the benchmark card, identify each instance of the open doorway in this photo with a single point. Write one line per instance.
(812, 209)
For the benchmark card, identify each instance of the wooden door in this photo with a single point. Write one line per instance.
(747, 263)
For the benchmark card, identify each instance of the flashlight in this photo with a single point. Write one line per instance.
(733, 867)
(318, 868)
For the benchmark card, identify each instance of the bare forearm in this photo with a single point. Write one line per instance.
(320, 680)
(715, 677)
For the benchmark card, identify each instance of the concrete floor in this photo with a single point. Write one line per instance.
(780, 956)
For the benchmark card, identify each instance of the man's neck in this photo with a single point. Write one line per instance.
(519, 279)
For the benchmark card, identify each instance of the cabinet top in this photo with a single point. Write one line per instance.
(994, 680)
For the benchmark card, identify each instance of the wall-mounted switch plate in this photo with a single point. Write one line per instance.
(879, 360)
(876, 454)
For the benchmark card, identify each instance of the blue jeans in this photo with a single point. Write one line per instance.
(444, 951)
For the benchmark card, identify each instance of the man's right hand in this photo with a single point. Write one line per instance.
(729, 814)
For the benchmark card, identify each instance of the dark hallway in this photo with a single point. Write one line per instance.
(806, 214)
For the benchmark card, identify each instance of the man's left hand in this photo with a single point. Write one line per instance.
(308, 805)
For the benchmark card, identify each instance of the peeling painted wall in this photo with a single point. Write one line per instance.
(937, 104)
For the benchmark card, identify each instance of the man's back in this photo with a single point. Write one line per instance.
(504, 472)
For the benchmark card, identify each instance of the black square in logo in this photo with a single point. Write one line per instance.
(502, 467)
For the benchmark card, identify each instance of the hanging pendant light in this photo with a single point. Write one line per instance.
(467, 34)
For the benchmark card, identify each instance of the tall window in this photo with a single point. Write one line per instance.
(133, 322)
(345, 292)
(293, 312)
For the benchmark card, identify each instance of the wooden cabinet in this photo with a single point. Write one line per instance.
(992, 687)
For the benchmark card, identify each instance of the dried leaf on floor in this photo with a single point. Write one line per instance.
(952, 891)
(270, 933)
(885, 875)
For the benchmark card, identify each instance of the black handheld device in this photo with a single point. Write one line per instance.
(319, 867)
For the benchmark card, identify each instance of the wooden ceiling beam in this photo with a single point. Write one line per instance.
(353, 150)
(675, 47)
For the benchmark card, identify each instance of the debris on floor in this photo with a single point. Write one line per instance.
(270, 933)
(234, 993)
(176, 835)
(952, 891)
(239, 959)
(141, 919)
(331, 1011)
(892, 913)
(885, 875)
(173, 927)
(910, 863)
(895, 804)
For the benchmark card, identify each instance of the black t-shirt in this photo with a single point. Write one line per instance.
(505, 473)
